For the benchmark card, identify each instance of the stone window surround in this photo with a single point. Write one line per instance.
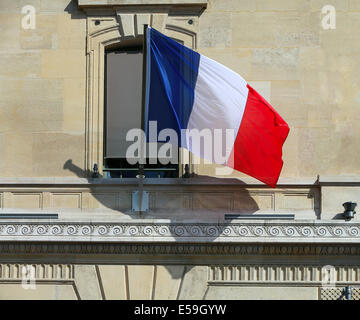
(109, 24)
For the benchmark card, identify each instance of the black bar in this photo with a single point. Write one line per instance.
(185, 309)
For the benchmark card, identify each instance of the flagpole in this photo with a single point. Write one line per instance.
(143, 102)
(141, 175)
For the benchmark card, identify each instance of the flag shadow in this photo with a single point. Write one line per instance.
(203, 210)
(211, 198)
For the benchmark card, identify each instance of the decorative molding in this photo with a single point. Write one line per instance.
(277, 274)
(178, 250)
(353, 180)
(135, 231)
(182, 30)
(41, 272)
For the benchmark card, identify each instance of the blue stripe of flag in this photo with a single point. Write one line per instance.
(172, 74)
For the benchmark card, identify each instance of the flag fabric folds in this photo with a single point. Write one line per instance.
(187, 91)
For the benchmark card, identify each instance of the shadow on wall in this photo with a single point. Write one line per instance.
(72, 8)
(244, 200)
(204, 215)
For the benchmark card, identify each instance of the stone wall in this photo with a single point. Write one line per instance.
(51, 127)
(42, 88)
(309, 74)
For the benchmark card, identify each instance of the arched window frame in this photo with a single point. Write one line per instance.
(108, 30)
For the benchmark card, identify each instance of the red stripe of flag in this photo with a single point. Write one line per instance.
(258, 146)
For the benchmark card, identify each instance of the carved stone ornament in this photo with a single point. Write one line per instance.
(143, 231)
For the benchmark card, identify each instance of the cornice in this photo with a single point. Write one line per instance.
(177, 250)
(104, 7)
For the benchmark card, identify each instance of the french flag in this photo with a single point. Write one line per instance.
(186, 90)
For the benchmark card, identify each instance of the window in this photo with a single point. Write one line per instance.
(123, 98)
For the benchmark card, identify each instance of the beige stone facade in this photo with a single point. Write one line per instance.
(51, 134)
